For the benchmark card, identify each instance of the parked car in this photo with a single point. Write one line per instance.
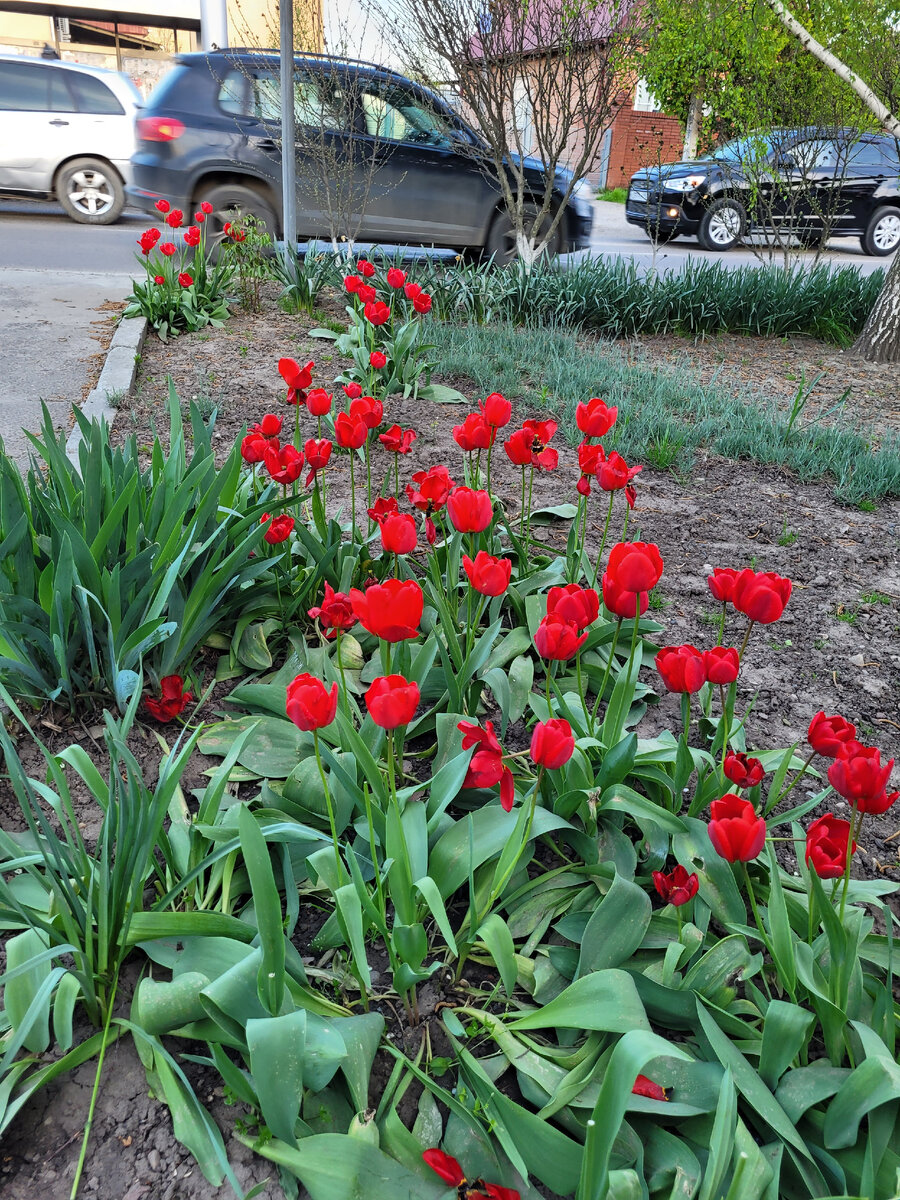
(211, 131)
(67, 131)
(812, 184)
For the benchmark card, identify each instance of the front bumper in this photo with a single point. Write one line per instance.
(581, 222)
(670, 212)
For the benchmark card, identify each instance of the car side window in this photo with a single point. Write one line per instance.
(319, 102)
(818, 155)
(60, 96)
(24, 87)
(232, 94)
(866, 155)
(93, 96)
(395, 114)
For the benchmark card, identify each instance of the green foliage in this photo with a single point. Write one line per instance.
(182, 292)
(302, 277)
(247, 257)
(109, 564)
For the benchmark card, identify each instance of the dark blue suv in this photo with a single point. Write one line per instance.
(211, 131)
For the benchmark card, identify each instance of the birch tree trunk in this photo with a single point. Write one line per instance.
(880, 338)
(692, 126)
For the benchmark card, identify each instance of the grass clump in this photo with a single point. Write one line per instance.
(665, 415)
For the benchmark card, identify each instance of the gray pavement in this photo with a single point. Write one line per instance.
(54, 274)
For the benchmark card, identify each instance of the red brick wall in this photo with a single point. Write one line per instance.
(640, 139)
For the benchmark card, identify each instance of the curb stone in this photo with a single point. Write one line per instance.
(116, 378)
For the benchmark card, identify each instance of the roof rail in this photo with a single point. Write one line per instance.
(322, 56)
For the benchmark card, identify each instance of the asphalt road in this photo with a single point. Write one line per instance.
(54, 273)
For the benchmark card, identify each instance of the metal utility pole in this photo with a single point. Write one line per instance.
(288, 154)
(214, 24)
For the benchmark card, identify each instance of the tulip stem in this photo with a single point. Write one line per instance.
(722, 621)
(328, 805)
(340, 663)
(368, 473)
(750, 625)
(576, 567)
(490, 448)
(602, 540)
(793, 783)
(726, 733)
(379, 890)
(530, 491)
(756, 917)
(397, 476)
(549, 702)
(587, 715)
(851, 837)
(522, 516)
(609, 662)
(352, 498)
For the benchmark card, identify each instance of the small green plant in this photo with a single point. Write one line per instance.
(866, 505)
(247, 249)
(302, 277)
(848, 615)
(616, 195)
(787, 536)
(665, 449)
(875, 598)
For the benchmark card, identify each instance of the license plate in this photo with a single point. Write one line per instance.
(639, 195)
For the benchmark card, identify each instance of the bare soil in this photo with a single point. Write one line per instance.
(836, 648)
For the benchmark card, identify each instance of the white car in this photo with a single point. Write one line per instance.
(67, 131)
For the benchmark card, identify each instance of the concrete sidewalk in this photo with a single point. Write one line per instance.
(45, 328)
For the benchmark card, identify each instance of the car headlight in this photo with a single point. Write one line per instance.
(689, 183)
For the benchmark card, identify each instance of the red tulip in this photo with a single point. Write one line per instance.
(614, 473)
(366, 293)
(862, 780)
(486, 766)
(518, 447)
(254, 447)
(162, 206)
(594, 419)
(167, 248)
(488, 575)
(206, 207)
(646, 1087)
(721, 583)
(397, 440)
(367, 409)
(335, 613)
(351, 284)
(352, 390)
(174, 218)
(422, 303)
(588, 462)
(365, 268)
(148, 240)
(558, 639)
(761, 597)
(681, 668)
(296, 377)
(383, 507)
(395, 277)
(635, 566)
(474, 434)
(280, 528)
(159, 279)
(192, 235)
(318, 452)
(677, 887)
(496, 410)
(318, 402)
(434, 486)
(574, 603)
(392, 701)
(391, 610)
(470, 511)
(234, 232)
(829, 736)
(826, 846)
(377, 359)
(722, 664)
(269, 427)
(621, 603)
(736, 832)
(543, 456)
(411, 290)
(184, 279)
(398, 533)
(742, 771)
(173, 699)
(284, 465)
(552, 743)
(377, 312)
(199, 216)
(350, 431)
(466, 1189)
(309, 704)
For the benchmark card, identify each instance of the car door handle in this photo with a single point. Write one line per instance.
(264, 143)
(59, 122)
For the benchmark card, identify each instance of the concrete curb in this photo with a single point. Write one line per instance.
(116, 378)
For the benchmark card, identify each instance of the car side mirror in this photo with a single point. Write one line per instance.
(785, 162)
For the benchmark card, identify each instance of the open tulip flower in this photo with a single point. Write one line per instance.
(861, 779)
(761, 597)
(742, 771)
(173, 699)
(588, 462)
(635, 566)
(397, 440)
(391, 610)
(335, 614)
(829, 736)
(392, 701)
(488, 575)
(296, 377)
(474, 434)
(826, 846)
(736, 832)
(318, 452)
(466, 1189)
(552, 743)
(309, 704)
(681, 668)
(284, 465)
(677, 887)
(614, 474)
(486, 766)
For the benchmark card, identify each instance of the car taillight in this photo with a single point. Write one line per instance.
(159, 129)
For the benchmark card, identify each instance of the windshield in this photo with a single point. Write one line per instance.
(754, 146)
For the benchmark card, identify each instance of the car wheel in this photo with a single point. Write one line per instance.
(90, 191)
(882, 234)
(722, 225)
(659, 237)
(230, 202)
(501, 239)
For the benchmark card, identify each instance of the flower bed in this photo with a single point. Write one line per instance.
(548, 905)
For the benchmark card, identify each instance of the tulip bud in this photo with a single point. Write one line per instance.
(364, 1129)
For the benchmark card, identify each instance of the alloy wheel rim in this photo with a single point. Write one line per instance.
(90, 192)
(886, 234)
(724, 226)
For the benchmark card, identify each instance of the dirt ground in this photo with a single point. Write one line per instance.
(836, 648)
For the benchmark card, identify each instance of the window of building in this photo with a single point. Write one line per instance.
(644, 100)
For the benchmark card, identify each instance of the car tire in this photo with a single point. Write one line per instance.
(231, 201)
(659, 237)
(91, 191)
(882, 234)
(722, 225)
(501, 238)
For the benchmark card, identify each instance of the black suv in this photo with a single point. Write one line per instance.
(811, 184)
(211, 131)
